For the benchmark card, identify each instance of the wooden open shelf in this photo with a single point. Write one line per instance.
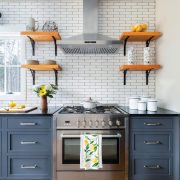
(42, 36)
(139, 67)
(140, 36)
(43, 67)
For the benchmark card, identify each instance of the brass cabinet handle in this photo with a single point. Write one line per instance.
(152, 124)
(28, 124)
(152, 167)
(152, 142)
(28, 142)
(29, 167)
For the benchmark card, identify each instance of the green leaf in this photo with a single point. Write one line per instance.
(87, 160)
(94, 165)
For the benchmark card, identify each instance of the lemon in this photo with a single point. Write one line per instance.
(144, 26)
(22, 106)
(12, 104)
(139, 28)
(133, 28)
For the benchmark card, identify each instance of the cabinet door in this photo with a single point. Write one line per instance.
(152, 142)
(152, 123)
(29, 123)
(29, 142)
(29, 166)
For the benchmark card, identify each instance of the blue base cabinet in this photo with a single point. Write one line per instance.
(26, 147)
(153, 148)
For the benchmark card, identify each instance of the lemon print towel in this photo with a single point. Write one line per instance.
(91, 152)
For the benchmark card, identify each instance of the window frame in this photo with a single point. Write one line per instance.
(22, 94)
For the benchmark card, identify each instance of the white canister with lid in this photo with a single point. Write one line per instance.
(142, 105)
(152, 105)
(133, 102)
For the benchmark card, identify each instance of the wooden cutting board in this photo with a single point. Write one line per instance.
(16, 110)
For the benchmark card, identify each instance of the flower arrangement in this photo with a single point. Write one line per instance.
(45, 90)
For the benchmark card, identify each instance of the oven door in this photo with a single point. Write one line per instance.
(113, 149)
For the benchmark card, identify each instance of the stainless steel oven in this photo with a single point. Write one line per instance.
(113, 149)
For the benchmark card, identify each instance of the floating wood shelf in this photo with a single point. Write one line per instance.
(43, 67)
(42, 36)
(139, 67)
(139, 37)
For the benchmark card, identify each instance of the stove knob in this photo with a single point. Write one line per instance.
(90, 123)
(96, 123)
(84, 123)
(110, 123)
(118, 123)
(103, 123)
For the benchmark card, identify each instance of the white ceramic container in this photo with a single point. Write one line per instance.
(145, 98)
(133, 102)
(89, 104)
(152, 105)
(142, 105)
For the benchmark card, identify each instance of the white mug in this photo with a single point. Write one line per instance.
(32, 24)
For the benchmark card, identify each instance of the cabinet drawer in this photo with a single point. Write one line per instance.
(29, 123)
(152, 122)
(152, 166)
(152, 142)
(29, 167)
(29, 142)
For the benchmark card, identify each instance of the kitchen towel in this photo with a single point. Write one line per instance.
(91, 151)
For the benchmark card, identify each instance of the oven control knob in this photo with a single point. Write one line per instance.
(90, 123)
(84, 123)
(118, 123)
(110, 123)
(103, 123)
(96, 123)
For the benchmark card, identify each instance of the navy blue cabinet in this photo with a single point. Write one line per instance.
(152, 147)
(26, 147)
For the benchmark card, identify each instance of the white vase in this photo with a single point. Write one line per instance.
(147, 55)
(131, 55)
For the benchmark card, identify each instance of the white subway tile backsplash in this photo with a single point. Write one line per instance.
(86, 75)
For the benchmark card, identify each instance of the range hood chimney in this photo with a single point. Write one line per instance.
(90, 42)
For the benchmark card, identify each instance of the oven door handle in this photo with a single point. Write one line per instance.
(104, 136)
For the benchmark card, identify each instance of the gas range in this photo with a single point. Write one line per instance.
(101, 117)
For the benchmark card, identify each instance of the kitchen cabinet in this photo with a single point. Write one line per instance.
(154, 147)
(26, 148)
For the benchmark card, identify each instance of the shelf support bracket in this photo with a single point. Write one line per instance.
(56, 77)
(125, 44)
(125, 73)
(33, 72)
(147, 76)
(33, 45)
(55, 45)
(148, 41)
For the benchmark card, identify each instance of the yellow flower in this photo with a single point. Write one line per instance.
(86, 141)
(92, 147)
(42, 87)
(42, 92)
(95, 160)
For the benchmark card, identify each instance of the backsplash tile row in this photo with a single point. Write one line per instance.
(83, 76)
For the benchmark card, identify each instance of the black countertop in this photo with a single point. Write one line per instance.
(160, 111)
(51, 110)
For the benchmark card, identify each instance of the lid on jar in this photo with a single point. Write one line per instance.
(145, 96)
(152, 100)
(141, 101)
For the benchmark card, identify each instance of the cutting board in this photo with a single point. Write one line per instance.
(16, 110)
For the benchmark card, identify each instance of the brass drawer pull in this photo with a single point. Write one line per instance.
(152, 167)
(152, 124)
(28, 142)
(152, 142)
(28, 124)
(29, 167)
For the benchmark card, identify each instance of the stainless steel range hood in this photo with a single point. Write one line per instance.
(90, 42)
